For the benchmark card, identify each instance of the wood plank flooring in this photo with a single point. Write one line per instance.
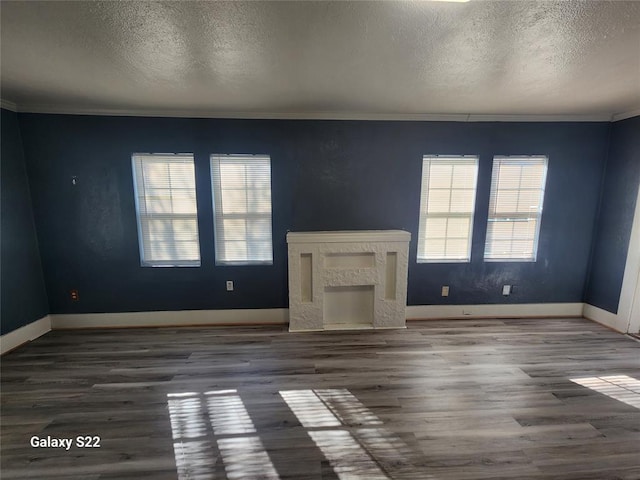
(488, 399)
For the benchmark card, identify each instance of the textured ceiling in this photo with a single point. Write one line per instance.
(333, 58)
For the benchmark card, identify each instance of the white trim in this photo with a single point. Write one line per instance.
(281, 315)
(622, 321)
(604, 317)
(540, 118)
(532, 310)
(7, 105)
(24, 334)
(171, 319)
(634, 321)
(38, 328)
(444, 117)
(631, 269)
(624, 115)
(347, 328)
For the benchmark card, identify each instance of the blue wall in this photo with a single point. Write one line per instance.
(22, 292)
(326, 175)
(613, 229)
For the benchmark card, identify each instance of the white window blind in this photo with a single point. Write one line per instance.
(165, 193)
(241, 187)
(447, 204)
(515, 208)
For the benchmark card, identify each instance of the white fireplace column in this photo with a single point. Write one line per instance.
(347, 279)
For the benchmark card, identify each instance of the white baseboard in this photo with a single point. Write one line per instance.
(171, 319)
(344, 328)
(605, 318)
(281, 315)
(24, 334)
(420, 312)
(38, 328)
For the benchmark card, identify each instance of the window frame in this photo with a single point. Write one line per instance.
(423, 213)
(140, 217)
(494, 179)
(216, 197)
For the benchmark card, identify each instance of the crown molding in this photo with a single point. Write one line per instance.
(420, 117)
(52, 109)
(7, 105)
(540, 118)
(624, 115)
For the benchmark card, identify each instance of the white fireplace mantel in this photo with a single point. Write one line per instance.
(347, 279)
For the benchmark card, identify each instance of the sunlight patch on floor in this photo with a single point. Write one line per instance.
(196, 436)
(619, 387)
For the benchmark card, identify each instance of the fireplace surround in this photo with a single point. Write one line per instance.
(347, 279)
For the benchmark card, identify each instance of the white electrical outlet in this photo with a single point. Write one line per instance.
(506, 290)
(445, 290)
(229, 285)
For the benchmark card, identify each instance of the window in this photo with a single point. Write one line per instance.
(165, 194)
(241, 187)
(447, 203)
(515, 208)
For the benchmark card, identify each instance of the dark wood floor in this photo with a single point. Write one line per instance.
(520, 399)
